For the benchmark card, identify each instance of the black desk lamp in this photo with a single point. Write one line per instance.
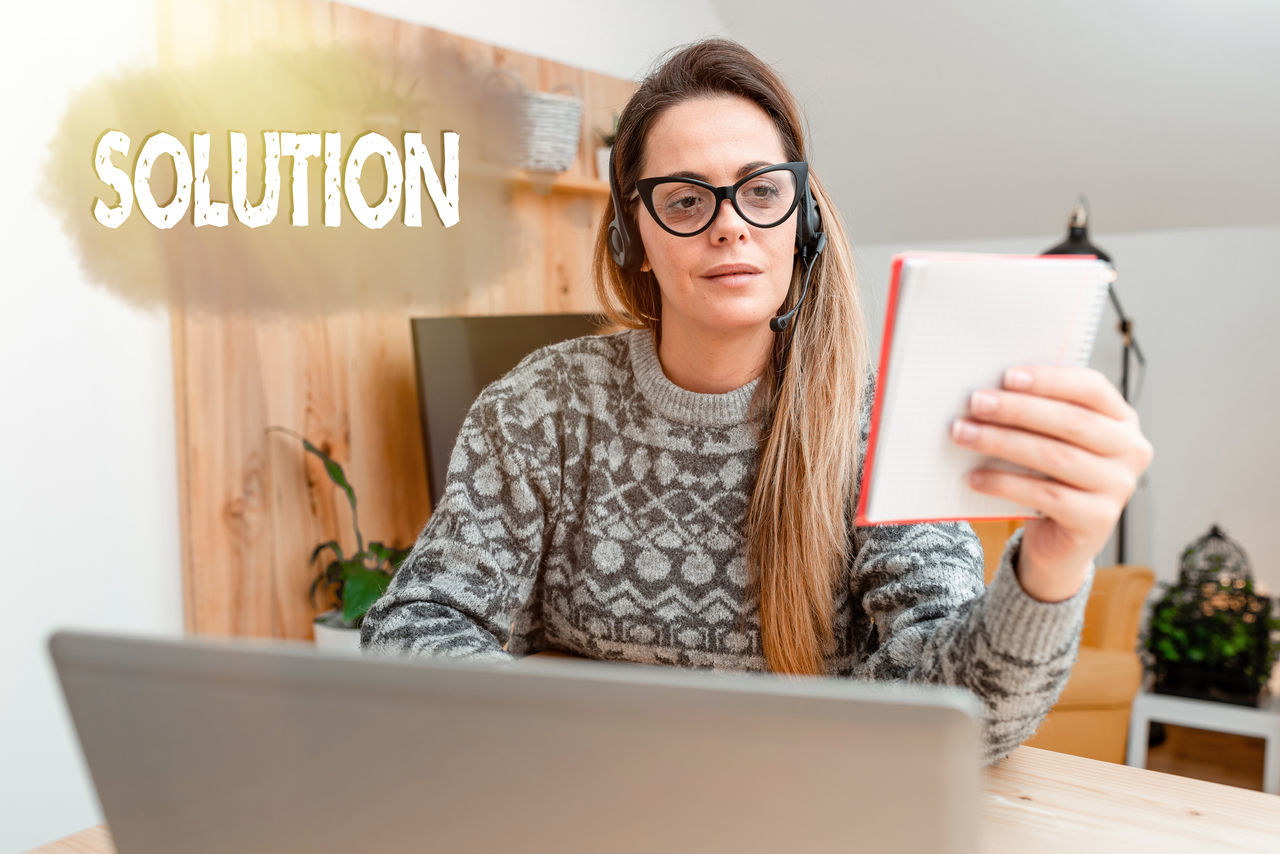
(1077, 243)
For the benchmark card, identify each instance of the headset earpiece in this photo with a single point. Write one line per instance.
(624, 247)
(810, 238)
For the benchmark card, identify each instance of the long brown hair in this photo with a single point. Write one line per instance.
(797, 520)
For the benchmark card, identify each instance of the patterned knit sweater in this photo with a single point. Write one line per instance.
(593, 506)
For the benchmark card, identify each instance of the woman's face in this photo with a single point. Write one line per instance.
(733, 276)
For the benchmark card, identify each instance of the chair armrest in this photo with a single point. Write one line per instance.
(1114, 610)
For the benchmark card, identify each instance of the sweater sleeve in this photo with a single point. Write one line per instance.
(933, 622)
(474, 566)
(922, 587)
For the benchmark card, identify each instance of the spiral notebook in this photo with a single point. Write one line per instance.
(955, 323)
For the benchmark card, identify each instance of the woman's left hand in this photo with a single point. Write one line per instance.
(1071, 424)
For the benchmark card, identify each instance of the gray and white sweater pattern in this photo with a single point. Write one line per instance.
(593, 506)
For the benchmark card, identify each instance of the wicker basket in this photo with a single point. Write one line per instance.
(538, 131)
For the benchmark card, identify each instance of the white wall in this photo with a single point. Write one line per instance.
(1204, 304)
(617, 37)
(90, 490)
(89, 507)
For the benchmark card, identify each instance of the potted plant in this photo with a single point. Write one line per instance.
(1211, 636)
(354, 582)
(1211, 654)
(604, 150)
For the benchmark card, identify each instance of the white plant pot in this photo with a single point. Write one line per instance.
(335, 638)
(602, 162)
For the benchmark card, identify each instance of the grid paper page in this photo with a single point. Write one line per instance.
(959, 323)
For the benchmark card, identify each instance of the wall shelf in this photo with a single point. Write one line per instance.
(539, 182)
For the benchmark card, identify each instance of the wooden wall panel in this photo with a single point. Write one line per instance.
(252, 504)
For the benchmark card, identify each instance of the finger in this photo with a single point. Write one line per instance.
(1084, 386)
(1074, 509)
(1070, 422)
(1063, 462)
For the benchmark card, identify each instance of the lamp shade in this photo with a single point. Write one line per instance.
(1077, 242)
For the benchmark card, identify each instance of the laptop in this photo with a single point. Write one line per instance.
(235, 745)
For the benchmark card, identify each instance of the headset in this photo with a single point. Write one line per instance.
(628, 252)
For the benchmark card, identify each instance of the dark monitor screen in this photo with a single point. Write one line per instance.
(456, 357)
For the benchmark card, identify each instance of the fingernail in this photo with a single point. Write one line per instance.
(982, 401)
(1014, 378)
(964, 431)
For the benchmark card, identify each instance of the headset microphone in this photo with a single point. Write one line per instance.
(781, 322)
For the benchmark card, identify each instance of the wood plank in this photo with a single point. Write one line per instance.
(93, 840)
(1039, 800)
(541, 183)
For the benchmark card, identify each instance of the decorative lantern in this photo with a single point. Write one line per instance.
(1210, 635)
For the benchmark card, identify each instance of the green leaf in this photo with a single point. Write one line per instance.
(387, 557)
(379, 552)
(334, 470)
(331, 576)
(333, 572)
(363, 587)
(338, 476)
(335, 474)
(314, 585)
(332, 544)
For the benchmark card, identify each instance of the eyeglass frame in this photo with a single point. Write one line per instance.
(646, 186)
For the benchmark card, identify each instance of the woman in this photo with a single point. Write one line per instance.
(681, 492)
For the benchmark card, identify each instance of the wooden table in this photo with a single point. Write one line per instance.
(1045, 802)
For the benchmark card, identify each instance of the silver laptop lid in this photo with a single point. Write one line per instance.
(257, 746)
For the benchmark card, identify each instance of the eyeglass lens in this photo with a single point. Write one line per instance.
(764, 201)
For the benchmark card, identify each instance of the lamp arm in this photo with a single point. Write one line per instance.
(1126, 325)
